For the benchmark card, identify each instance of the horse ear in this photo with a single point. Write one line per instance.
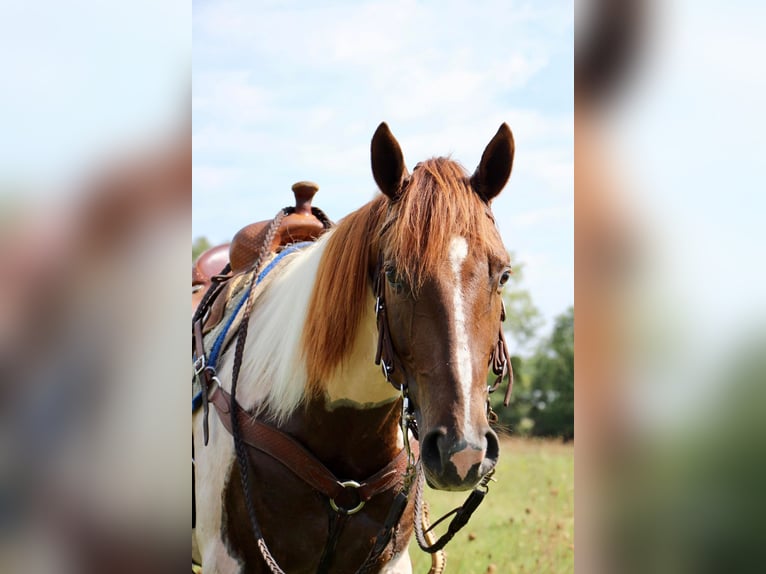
(495, 167)
(388, 167)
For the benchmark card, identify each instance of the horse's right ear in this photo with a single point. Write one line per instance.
(388, 167)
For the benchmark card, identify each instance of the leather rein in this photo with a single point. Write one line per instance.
(345, 497)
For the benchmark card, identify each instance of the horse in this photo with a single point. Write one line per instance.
(412, 280)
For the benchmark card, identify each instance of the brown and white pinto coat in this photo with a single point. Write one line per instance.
(309, 367)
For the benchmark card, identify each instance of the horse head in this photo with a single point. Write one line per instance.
(443, 267)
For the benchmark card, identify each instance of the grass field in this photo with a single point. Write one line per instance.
(526, 522)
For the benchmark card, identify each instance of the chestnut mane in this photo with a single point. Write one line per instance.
(436, 204)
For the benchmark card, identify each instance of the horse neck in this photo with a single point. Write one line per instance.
(352, 425)
(273, 377)
(357, 382)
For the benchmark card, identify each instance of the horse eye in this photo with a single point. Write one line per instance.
(505, 277)
(395, 280)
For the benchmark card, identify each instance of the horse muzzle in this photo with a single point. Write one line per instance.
(452, 463)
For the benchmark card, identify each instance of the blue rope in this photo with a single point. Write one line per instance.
(213, 358)
(218, 344)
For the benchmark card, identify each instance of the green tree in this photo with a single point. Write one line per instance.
(513, 418)
(522, 318)
(551, 397)
(199, 245)
(543, 390)
(522, 322)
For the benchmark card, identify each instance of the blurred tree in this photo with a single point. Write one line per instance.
(523, 319)
(552, 381)
(199, 245)
(542, 403)
(513, 418)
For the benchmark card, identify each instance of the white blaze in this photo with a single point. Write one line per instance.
(458, 251)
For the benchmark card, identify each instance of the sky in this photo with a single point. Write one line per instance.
(83, 78)
(289, 91)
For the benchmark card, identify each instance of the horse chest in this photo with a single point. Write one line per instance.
(296, 520)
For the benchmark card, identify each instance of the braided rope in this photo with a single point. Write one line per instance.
(239, 445)
(438, 559)
(421, 520)
(424, 536)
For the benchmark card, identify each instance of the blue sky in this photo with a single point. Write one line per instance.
(285, 91)
(81, 78)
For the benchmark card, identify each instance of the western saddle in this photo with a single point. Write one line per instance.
(227, 260)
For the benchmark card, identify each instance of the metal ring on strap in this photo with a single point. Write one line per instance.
(357, 508)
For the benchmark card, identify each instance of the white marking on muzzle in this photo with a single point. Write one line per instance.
(458, 251)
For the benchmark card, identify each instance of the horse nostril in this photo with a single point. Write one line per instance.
(493, 446)
(492, 453)
(429, 449)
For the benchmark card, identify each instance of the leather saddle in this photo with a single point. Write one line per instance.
(302, 224)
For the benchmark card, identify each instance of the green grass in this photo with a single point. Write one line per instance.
(526, 522)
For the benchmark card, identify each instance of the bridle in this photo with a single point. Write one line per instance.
(266, 438)
(385, 356)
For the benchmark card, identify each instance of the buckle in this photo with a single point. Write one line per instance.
(348, 484)
(199, 365)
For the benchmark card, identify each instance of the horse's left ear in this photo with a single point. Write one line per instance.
(388, 166)
(495, 167)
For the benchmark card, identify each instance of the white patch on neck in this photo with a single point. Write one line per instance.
(458, 251)
(358, 382)
(272, 378)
